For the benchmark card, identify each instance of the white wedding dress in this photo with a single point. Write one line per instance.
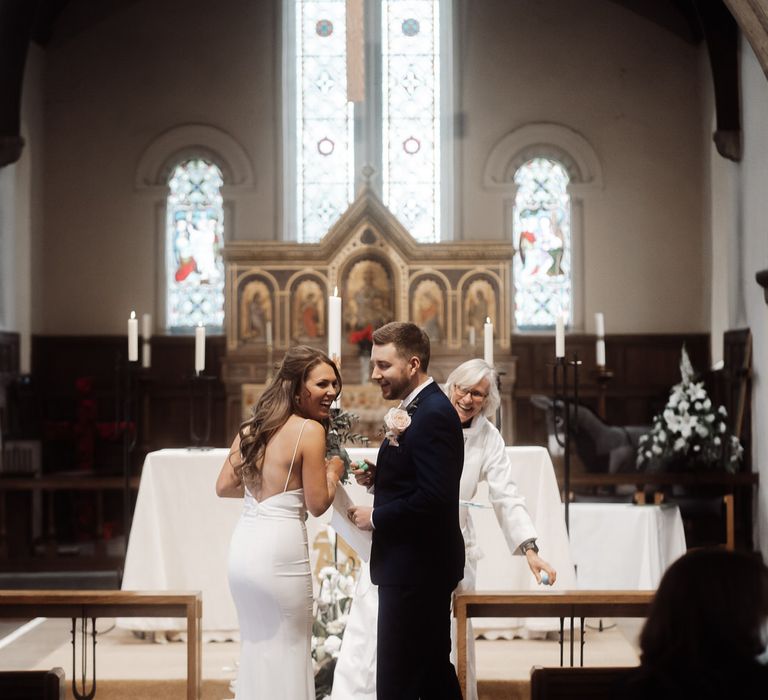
(271, 584)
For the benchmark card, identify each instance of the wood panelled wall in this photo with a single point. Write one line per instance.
(644, 368)
(163, 392)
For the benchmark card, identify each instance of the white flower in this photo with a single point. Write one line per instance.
(332, 644)
(702, 430)
(716, 440)
(656, 450)
(396, 421)
(679, 445)
(335, 627)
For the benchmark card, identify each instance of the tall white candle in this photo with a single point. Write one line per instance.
(334, 326)
(599, 325)
(146, 326)
(133, 338)
(146, 355)
(269, 333)
(488, 341)
(472, 336)
(560, 335)
(601, 353)
(200, 348)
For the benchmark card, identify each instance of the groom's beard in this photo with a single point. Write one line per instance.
(394, 389)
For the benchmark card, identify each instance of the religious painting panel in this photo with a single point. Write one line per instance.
(368, 296)
(307, 311)
(480, 302)
(255, 311)
(428, 307)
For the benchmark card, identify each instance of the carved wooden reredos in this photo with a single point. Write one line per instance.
(382, 274)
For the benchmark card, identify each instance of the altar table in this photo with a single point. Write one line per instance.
(620, 546)
(181, 531)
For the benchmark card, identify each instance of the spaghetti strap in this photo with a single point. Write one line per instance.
(295, 449)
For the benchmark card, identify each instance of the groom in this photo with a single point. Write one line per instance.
(417, 557)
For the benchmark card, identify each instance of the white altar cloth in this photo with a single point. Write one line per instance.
(624, 546)
(181, 530)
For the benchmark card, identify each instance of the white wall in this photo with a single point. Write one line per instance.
(752, 226)
(633, 90)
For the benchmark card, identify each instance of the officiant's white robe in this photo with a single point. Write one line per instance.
(485, 458)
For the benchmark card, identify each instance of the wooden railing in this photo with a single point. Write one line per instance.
(49, 484)
(93, 604)
(562, 604)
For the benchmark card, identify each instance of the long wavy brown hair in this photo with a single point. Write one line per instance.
(275, 406)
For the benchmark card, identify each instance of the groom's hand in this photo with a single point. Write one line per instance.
(361, 516)
(364, 477)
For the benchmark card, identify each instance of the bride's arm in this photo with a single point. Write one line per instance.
(319, 478)
(228, 485)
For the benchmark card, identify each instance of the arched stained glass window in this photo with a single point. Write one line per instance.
(325, 157)
(542, 236)
(410, 50)
(396, 131)
(194, 242)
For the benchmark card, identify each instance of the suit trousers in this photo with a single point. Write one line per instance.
(414, 644)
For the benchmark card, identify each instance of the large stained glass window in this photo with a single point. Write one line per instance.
(411, 114)
(194, 242)
(325, 158)
(396, 131)
(542, 236)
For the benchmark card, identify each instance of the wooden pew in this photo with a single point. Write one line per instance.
(33, 685)
(94, 604)
(562, 604)
(576, 683)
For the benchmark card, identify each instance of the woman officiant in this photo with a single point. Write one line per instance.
(472, 389)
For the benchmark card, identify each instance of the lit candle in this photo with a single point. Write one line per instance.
(600, 325)
(146, 327)
(488, 341)
(269, 332)
(199, 348)
(600, 353)
(334, 326)
(133, 338)
(472, 336)
(560, 335)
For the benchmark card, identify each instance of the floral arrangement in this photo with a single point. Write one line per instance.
(337, 586)
(363, 338)
(396, 422)
(339, 434)
(689, 429)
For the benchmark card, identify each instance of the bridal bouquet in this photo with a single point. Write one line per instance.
(690, 430)
(337, 585)
(339, 434)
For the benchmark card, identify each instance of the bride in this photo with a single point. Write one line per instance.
(277, 465)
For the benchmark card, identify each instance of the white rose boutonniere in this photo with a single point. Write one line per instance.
(396, 422)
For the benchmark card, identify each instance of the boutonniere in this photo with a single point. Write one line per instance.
(396, 422)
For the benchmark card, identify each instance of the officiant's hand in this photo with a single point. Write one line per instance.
(537, 565)
(364, 477)
(361, 516)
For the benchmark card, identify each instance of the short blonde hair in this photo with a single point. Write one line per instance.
(470, 373)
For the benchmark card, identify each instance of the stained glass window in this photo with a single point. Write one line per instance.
(411, 114)
(194, 241)
(396, 131)
(325, 158)
(542, 236)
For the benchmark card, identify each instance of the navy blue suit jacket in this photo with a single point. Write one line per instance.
(417, 537)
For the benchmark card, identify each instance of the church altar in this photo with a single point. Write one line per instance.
(181, 530)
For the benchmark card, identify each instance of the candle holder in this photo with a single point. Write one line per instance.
(126, 416)
(200, 397)
(565, 394)
(603, 377)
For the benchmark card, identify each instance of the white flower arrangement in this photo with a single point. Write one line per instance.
(689, 429)
(396, 421)
(337, 586)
